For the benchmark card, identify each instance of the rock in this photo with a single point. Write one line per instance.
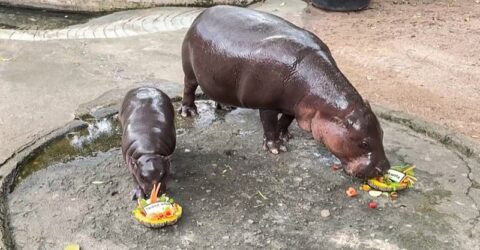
(325, 213)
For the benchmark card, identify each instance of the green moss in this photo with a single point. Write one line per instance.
(61, 150)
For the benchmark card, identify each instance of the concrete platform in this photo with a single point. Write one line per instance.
(46, 83)
(237, 196)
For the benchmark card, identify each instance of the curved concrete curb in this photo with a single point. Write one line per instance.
(142, 22)
(450, 139)
(113, 26)
(114, 5)
(9, 169)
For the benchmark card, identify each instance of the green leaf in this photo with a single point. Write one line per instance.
(143, 203)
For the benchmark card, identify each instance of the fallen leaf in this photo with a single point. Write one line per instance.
(72, 247)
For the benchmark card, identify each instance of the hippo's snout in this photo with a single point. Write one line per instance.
(365, 170)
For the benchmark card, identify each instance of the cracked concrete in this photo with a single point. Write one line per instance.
(114, 5)
(473, 188)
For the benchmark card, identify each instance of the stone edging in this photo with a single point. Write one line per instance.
(10, 167)
(92, 6)
(450, 139)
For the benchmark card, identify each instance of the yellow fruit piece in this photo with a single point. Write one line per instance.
(72, 247)
(365, 187)
(379, 185)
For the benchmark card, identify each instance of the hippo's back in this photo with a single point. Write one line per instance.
(147, 119)
(246, 30)
(237, 55)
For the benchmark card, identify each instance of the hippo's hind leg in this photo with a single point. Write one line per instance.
(188, 102)
(283, 124)
(271, 141)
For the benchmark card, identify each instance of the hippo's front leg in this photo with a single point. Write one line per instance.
(271, 139)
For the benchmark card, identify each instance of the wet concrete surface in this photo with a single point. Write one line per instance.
(237, 196)
(57, 76)
(35, 19)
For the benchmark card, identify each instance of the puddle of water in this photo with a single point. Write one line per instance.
(33, 19)
(103, 135)
(100, 136)
(207, 115)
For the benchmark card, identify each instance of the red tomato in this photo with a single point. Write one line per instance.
(372, 205)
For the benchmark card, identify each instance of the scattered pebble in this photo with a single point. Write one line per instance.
(187, 150)
(250, 221)
(325, 213)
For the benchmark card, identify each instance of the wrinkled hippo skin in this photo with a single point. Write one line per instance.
(246, 58)
(148, 138)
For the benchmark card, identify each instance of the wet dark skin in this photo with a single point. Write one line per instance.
(246, 58)
(148, 138)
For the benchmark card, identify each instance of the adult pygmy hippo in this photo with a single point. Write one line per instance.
(149, 137)
(251, 59)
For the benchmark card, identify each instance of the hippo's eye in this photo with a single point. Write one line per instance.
(364, 145)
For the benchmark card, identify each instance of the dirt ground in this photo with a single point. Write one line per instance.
(236, 196)
(419, 56)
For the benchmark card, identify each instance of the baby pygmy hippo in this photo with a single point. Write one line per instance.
(149, 138)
